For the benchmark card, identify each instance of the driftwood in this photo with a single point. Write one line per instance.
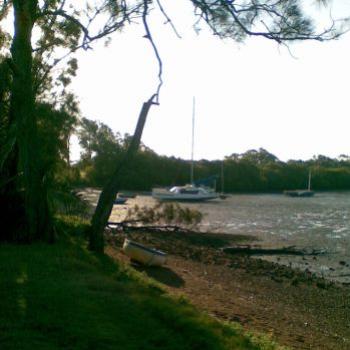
(257, 250)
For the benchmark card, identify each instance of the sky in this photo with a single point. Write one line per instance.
(294, 103)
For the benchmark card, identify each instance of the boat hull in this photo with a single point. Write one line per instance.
(144, 255)
(184, 194)
(182, 198)
(299, 193)
(120, 200)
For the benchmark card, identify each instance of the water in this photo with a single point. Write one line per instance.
(321, 222)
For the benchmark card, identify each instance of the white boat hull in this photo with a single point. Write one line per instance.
(184, 194)
(144, 255)
(182, 198)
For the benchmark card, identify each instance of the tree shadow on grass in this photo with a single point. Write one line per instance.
(163, 275)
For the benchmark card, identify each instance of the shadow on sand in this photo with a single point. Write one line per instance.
(161, 274)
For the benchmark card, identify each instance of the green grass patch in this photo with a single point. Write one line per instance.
(62, 296)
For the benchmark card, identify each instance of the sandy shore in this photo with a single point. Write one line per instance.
(297, 309)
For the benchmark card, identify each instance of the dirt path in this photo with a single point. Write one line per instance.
(297, 309)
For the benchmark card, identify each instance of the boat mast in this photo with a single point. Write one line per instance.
(222, 177)
(193, 113)
(309, 185)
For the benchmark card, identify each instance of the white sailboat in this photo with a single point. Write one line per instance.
(189, 192)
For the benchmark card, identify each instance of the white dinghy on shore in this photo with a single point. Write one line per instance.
(142, 254)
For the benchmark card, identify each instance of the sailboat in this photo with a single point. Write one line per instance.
(187, 193)
(301, 193)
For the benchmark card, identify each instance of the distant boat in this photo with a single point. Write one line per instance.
(144, 255)
(126, 194)
(120, 200)
(301, 193)
(187, 193)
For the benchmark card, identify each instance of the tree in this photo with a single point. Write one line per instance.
(107, 197)
(60, 25)
(259, 157)
(101, 150)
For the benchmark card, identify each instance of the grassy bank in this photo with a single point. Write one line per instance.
(64, 297)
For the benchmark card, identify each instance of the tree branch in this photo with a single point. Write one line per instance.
(150, 38)
(230, 18)
(168, 20)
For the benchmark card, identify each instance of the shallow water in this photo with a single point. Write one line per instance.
(320, 222)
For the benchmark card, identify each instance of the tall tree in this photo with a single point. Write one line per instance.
(62, 25)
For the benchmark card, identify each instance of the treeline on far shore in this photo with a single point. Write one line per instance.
(252, 171)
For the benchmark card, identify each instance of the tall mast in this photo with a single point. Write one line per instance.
(193, 114)
(309, 185)
(222, 177)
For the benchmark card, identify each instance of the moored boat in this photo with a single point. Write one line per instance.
(195, 192)
(120, 200)
(126, 194)
(301, 193)
(188, 193)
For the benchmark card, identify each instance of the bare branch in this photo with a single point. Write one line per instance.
(168, 20)
(150, 38)
(110, 26)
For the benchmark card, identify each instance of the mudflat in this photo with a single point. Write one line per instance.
(297, 308)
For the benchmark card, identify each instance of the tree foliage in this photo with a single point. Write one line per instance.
(282, 21)
(251, 171)
(165, 214)
(37, 110)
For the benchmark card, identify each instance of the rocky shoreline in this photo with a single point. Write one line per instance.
(297, 308)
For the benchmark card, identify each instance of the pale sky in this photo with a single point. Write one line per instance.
(248, 95)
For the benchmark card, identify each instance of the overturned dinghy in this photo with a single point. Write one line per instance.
(142, 254)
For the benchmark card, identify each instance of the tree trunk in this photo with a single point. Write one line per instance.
(22, 112)
(109, 192)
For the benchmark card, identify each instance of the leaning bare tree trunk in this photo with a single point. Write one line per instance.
(22, 111)
(108, 194)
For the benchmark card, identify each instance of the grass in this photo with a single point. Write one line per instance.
(62, 296)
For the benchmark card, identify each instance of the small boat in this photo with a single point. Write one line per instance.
(120, 200)
(142, 254)
(301, 193)
(188, 193)
(126, 194)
